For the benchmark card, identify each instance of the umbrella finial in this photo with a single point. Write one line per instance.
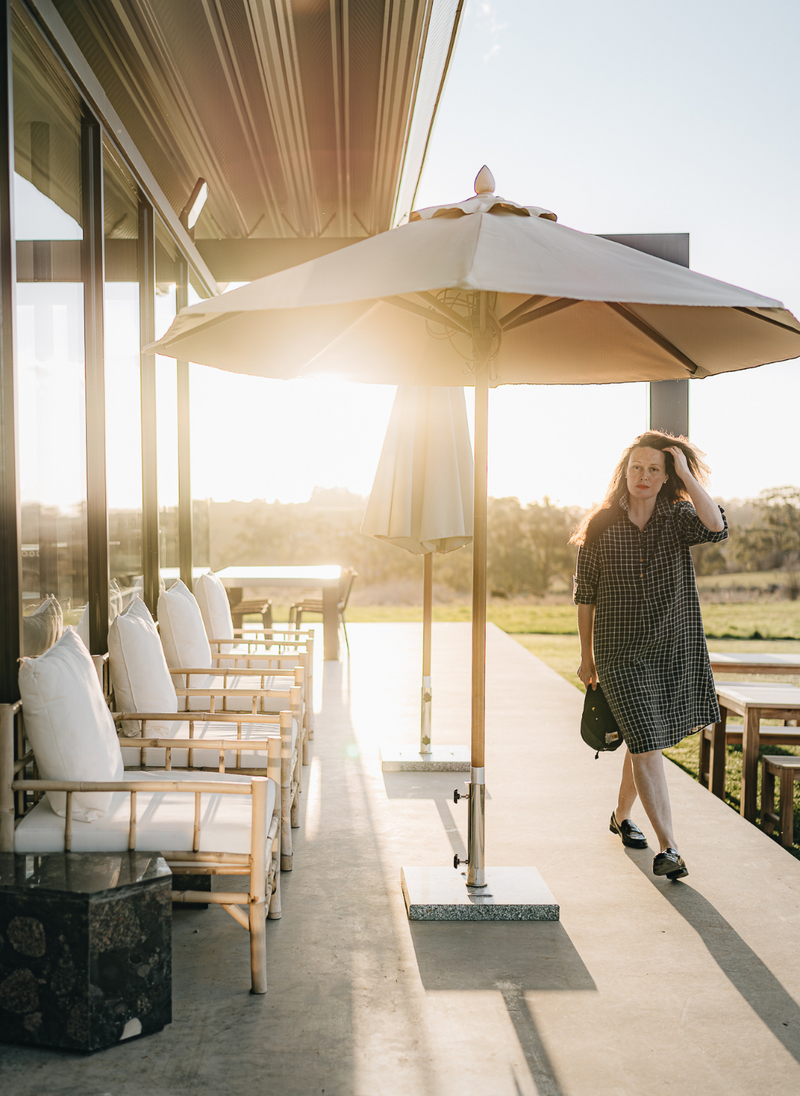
(484, 181)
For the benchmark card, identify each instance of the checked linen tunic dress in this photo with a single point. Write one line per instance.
(649, 646)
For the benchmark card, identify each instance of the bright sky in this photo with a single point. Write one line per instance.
(626, 116)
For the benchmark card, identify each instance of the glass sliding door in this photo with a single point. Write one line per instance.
(49, 341)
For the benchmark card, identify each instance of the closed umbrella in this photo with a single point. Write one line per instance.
(485, 292)
(421, 500)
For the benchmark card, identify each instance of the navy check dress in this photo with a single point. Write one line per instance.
(649, 646)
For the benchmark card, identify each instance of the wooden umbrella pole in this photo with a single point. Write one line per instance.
(477, 789)
(427, 617)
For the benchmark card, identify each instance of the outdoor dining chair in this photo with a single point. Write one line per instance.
(314, 605)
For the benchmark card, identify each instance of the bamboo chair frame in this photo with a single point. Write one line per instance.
(260, 865)
(302, 648)
(289, 780)
(294, 693)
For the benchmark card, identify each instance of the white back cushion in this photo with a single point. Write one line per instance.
(69, 724)
(183, 633)
(142, 681)
(215, 608)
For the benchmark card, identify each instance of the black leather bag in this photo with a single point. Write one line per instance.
(599, 729)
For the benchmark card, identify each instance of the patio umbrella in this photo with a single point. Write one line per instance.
(485, 292)
(421, 500)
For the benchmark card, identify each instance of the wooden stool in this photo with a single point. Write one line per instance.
(788, 770)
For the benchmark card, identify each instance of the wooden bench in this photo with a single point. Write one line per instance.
(787, 769)
(753, 701)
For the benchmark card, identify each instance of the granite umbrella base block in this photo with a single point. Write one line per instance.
(441, 759)
(85, 948)
(511, 894)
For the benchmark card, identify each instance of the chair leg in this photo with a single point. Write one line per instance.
(344, 629)
(275, 899)
(767, 797)
(704, 761)
(787, 807)
(258, 888)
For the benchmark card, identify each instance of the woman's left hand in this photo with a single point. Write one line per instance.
(681, 464)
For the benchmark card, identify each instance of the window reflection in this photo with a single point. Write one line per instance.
(49, 342)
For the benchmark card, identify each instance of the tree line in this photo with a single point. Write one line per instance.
(528, 549)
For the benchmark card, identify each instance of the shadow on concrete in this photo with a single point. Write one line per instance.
(510, 958)
(765, 995)
(438, 787)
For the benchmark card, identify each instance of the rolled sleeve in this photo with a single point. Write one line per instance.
(691, 529)
(587, 575)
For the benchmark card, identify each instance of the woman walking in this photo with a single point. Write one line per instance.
(639, 620)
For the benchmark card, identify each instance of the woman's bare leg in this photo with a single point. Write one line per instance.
(627, 790)
(651, 784)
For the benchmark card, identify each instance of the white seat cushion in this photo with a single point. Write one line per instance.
(164, 821)
(139, 671)
(69, 724)
(183, 633)
(215, 608)
(156, 757)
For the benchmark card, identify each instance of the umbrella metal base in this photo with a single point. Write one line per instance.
(441, 759)
(511, 894)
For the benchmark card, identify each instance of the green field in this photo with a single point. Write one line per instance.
(737, 620)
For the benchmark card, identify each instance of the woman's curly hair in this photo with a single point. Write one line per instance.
(608, 511)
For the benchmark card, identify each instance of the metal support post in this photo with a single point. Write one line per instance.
(475, 833)
(184, 443)
(427, 616)
(10, 550)
(93, 287)
(147, 333)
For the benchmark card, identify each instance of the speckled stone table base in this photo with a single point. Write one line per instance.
(441, 759)
(511, 894)
(85, 948)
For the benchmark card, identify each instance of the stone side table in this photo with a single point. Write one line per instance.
(85, 948)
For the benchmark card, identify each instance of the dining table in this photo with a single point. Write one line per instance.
(325, 577)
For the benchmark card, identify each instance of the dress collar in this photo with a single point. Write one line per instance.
(662, 507)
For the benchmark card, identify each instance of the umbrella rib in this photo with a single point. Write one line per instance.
(540, 313)
(418, 310)
(651, 333)
(767, 319)
(526, 306)
(452, 316)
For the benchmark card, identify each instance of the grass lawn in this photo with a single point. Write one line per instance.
(562, 653)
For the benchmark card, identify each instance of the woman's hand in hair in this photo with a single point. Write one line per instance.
(587, 672)
(682, 470)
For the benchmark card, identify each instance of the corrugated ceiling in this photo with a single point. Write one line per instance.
(306, 117)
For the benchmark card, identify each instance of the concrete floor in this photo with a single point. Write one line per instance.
(644, 987)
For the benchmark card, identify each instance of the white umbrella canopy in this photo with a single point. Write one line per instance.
(421, 500)
(485, 292)
(565, 307)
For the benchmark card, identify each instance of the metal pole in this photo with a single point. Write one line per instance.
(147, 333)
(93, 287)
(477, 791)
(427, 616)
(10, 519)
(184, 443)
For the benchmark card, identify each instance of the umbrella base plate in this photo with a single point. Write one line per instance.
(511, 894)
(441, 759)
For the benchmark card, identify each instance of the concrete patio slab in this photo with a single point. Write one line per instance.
(643, 988)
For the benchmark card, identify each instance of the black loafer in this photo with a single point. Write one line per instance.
(669, 863)
(630, 833)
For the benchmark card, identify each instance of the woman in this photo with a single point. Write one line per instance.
(639, 620)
